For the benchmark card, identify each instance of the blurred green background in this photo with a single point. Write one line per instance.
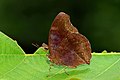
(29, 21)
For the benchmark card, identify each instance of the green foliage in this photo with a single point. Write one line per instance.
(16, 65)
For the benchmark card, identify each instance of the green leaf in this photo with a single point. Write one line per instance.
(16, 65)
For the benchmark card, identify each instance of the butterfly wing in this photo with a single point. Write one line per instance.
(67, 46)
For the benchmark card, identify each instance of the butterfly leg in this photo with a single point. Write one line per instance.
(36, 45)
(65, 71)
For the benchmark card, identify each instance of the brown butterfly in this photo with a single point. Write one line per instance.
(67, 46)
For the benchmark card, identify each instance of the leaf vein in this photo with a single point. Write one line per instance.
(107, 68)
(13, 68)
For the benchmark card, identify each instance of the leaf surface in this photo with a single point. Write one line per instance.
(16, 65)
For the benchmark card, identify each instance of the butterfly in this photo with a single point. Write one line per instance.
(66, 45)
